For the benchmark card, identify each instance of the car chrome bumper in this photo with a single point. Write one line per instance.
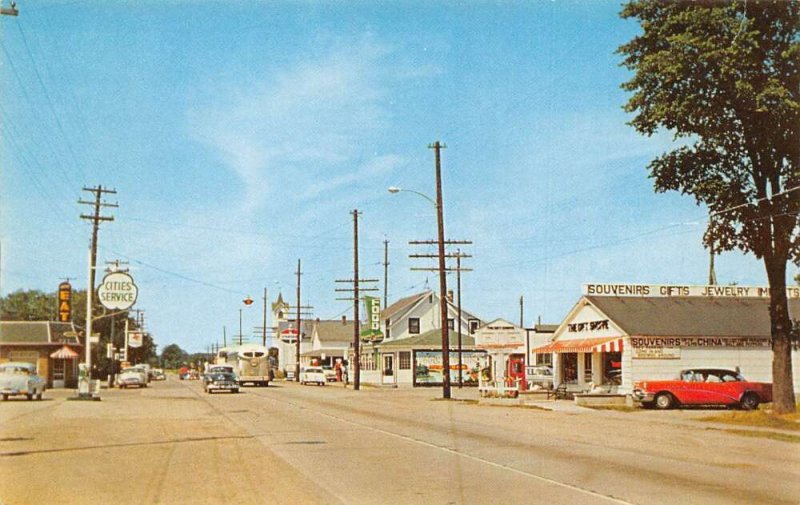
(642, 396)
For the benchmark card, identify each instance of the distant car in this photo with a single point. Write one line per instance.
(703, 386)
(314, 374)
(216, 369)
(158, 374)
(132, 376)
(17, 378)
(330, 373)
(540, 375)
(221, 381)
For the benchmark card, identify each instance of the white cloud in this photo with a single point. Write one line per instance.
(306, 121)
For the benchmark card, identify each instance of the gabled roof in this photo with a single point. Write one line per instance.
(431, 340)
(279, 302)
(545, 328)
(35, 332)
(685, 317)
(402, 304)
(334, 330)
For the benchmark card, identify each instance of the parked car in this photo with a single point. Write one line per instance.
(158, 374)
(17, 378)
(221, 381)
(330, 373)
(132, 376)
(703, 386)
(314, 375)
(539, 375)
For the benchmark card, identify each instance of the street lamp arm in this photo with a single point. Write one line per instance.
(395, 190)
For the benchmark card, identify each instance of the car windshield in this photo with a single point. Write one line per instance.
(130, 370)
(224, 376)
(314, 370)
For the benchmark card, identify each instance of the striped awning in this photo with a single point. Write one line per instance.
(64, 353)
(602, 344)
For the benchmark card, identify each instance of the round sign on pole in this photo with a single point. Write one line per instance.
(117, 291)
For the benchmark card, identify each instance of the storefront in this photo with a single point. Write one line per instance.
(53, 347)
(505, 346)
(417, 361)
(619, 334)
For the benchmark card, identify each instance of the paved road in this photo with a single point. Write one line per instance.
(172, 443)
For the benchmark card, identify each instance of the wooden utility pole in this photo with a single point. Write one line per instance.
(96, 219)
(299, 333)
(355, 366)
(264, 322)
(385, 273)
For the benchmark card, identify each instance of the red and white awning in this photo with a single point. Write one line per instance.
(64, 353)
(602, 344)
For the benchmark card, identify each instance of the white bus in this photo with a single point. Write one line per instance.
(251, 363)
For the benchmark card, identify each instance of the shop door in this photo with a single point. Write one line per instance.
(388, 369)
(516, 370)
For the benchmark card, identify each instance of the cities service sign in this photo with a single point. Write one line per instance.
(117, 291)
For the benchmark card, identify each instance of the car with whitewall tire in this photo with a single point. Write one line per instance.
(18, 378)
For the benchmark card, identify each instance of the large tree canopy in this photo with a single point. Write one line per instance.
(724, 78)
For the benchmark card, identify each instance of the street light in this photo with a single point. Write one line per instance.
(436, 146)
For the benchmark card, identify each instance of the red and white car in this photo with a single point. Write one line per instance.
(703, 386)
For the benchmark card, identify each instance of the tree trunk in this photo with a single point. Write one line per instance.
(782, 378)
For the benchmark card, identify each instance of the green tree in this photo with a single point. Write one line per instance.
(173, 356)
(723, 78)
(32, 305)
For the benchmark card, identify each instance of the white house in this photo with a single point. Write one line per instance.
(411, 337)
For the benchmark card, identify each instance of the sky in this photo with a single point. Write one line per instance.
(240, 136)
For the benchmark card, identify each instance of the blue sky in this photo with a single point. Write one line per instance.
(240, 135)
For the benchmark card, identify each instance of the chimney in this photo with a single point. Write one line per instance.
(344, 319)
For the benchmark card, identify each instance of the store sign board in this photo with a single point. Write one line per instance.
(664, 290)
(135, 338)
(700, 342)
(117, 291)
(65, 302)
(656, 353)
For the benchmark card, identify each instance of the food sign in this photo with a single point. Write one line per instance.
(65, 302)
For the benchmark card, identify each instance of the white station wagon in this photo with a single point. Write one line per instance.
(17, 378)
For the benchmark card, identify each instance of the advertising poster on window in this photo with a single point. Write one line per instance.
(428, 367)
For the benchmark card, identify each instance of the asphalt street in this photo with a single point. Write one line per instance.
(171, 443)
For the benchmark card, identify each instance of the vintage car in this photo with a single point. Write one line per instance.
(221, 381)
(158, 374)
(313, 375)
(18, 378)
(217, 369)
(703, 386)
(539, 375)
(330, 373)
(132, 376)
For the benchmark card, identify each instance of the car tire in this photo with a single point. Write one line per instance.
(664, 401)
(39, 396)
(5, 398)
(235, 391)
(30, 396)
(749, 401)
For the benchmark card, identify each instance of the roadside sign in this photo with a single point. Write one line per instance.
(65, 302)
(117, 291)
(135, 338)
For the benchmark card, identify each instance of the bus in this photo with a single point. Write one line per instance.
(251, 363)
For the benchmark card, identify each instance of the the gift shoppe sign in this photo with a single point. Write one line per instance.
(678, 290)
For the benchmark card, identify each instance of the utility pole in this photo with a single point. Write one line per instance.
(521, 312)
(385, 273)
(442, 277)
(458, 269)
(299, 312)
(356, 365)
(96, 219)
(224, 337)
(264, 327)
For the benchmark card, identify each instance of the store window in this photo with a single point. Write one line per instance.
(451, 324)
(404, 360)
(544, 359)
(413, 325)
